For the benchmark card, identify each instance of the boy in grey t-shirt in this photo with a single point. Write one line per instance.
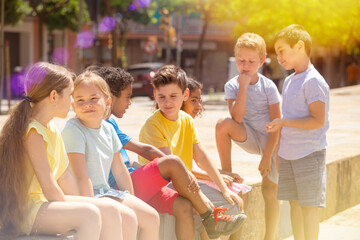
(253, 100)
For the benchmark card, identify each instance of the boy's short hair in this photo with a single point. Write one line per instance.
(117, 78)
(168, 74)
(292, 34)
(252, 41)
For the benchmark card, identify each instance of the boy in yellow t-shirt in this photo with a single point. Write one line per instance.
(173, 131)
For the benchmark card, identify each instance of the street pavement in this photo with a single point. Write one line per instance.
(343, 138)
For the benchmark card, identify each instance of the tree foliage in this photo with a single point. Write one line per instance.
(59, 14)
(334, 23)
(15, 10)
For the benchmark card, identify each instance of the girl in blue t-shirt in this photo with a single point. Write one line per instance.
(93, 148)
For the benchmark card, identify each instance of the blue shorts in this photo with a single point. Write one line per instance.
(303, 180)
(112, 193)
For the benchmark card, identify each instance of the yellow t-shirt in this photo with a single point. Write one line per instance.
(58, 162)
(179, 136)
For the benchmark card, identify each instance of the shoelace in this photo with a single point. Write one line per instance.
(219, 213)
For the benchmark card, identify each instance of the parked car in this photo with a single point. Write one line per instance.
(142, 73)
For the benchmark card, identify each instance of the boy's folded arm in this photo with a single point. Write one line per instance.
(316, 119)
(147, 151)
(36, 150)
(121, 174)
(237, 106)
(80, 171)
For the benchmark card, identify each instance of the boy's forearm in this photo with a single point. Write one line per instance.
(200, 174)
(271, 144)
(144, 150)
(209, 167)
(239, 105)
(303, 123)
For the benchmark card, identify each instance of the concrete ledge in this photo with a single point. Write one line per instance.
(343, 191)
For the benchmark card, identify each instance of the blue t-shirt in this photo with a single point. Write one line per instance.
(123, 139)
(98, 146)
(300, 90)
(258, 98)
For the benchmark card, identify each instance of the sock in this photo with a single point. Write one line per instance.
(206, 214)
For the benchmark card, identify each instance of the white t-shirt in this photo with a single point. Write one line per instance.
(98, 145)
(298, 92)
(258, 98)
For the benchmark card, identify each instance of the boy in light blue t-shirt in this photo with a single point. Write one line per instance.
(302, 167)
(253, 100)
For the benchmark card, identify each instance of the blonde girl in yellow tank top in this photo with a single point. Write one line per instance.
(36, 188)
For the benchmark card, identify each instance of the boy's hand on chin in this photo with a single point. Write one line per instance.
(244, 79)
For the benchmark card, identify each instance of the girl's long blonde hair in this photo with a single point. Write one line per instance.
(41, 79)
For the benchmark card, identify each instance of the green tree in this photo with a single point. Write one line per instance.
(15, 11)
(332, 24)
(211, 11)
(57, 14)
(124, 11)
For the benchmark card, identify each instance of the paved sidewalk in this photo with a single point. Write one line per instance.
(343, 226)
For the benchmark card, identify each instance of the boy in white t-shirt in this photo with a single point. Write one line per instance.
(253, 100)
(302, 166)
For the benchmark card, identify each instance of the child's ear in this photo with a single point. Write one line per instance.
(262, 61)
(186, 94)
(300, 44)
(108, 102)
(53, 96)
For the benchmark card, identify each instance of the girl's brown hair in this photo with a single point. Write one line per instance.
(41, 79)
(93, 78)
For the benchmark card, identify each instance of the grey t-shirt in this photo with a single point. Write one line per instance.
(259, 97)
(98, 145)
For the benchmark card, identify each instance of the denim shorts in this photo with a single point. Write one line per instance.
(112, 193)
(303, 180)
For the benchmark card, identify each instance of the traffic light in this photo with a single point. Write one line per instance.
(165, 23)
(172, 36)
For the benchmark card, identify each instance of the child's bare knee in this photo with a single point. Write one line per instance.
(182, 207)
(90, 215)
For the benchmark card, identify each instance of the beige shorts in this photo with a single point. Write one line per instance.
(255, 143)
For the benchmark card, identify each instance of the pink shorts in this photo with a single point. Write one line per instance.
(151, 187)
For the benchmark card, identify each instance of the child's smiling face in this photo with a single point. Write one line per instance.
(170, 98)
(90, 104)
(193, 105)
(285, 54)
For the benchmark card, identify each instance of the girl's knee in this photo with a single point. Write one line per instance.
(90, 214)
(110, 210)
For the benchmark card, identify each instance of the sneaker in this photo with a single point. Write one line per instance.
(218, 223)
